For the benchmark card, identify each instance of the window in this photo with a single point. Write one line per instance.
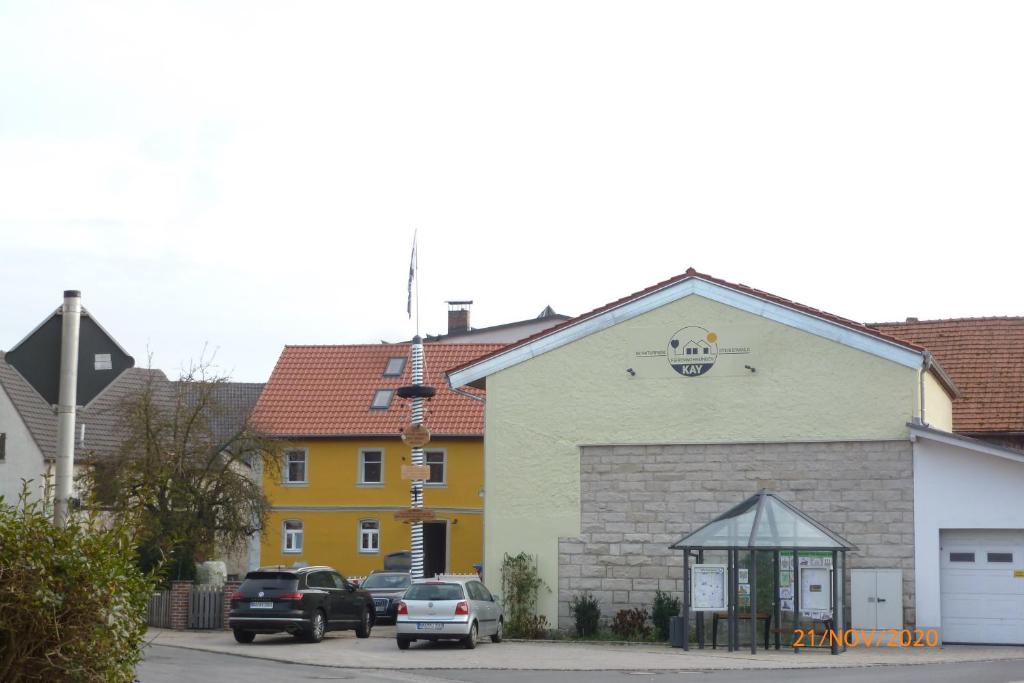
(382, 399)
(369, 536)
(371, 467)
(1000, 557)
(320, 580)
(295, 466)
(3, 446)
(436, 462)
(395, 367)
(338, 579)
(961, 557)
(293, 536)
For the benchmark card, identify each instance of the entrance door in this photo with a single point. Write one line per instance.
(981, 576)
(435, 548)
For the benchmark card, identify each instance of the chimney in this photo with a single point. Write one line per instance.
(458, 316)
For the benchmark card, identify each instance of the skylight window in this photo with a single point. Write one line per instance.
(382, 399)
(395, 367)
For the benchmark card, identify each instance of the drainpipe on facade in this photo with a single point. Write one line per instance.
(926, 365)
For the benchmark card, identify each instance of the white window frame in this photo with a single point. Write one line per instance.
(362, 469)
(444, 455)
(305, 467)
(368, 533)
(287, 533)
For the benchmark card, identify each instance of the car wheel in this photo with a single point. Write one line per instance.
(316, 630)
(244, 636)
(365, 624)
(469, 642)
(403, 643)
(496, 638)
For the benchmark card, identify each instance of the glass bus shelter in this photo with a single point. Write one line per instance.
(807, 565)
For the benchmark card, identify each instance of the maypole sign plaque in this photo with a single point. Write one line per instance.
(415, 515)
(416, 435)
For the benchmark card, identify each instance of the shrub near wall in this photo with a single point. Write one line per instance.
(72, 602)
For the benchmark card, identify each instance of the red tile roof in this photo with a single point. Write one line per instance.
(318, 391)
(985, 357)
(693, 274)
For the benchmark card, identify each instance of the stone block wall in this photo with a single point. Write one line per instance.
(638, 500)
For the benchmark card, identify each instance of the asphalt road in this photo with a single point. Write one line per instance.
(176, 665)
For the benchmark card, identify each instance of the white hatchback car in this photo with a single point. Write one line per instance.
(448, 607)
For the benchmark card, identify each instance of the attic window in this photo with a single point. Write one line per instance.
(382, 399)
(395, 367)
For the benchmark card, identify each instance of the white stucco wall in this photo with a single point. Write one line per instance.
(24, 459)
(540, 412)
(957, 488)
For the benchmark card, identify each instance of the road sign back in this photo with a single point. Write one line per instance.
(100, 359)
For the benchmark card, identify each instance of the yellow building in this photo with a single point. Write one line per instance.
(337, 415)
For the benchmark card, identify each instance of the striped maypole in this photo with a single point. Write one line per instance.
(417, 458)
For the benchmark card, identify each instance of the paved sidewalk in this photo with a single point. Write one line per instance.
(380, 652)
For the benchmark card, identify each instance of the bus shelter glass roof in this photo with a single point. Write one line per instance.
(762, 522)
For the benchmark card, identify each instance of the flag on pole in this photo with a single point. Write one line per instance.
(412, 274)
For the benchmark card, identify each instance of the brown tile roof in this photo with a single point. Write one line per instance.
(985, 357)
(691, 274)
(319, 391)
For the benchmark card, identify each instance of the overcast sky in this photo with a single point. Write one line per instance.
(248, 175)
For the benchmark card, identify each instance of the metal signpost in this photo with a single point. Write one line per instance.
(71, 313)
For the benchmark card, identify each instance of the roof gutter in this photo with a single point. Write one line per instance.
(465, 393)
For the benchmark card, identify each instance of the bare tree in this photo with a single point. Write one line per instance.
(187, 473)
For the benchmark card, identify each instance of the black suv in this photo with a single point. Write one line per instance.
(306, 602)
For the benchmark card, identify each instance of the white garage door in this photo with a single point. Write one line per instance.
(982, 600)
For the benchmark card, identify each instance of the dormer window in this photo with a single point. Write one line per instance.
(382, 399)
(395, 367)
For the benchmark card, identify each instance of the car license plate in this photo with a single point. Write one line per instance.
(429, 626)
(261, 605)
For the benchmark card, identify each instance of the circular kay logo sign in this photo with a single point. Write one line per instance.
(692, 351)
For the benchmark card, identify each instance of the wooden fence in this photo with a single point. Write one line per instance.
(206, 607)
(158, 613)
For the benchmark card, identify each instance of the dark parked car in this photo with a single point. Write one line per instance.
(387, 589)
(306, 602)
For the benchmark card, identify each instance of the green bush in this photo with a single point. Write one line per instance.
(520, 583)
(72, 602)
(665, 607)
(587, 613)
(631, 624)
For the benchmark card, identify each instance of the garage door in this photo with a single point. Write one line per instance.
(982, 599)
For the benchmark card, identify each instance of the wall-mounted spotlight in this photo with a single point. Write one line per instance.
(631, 371)
(751, 368)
